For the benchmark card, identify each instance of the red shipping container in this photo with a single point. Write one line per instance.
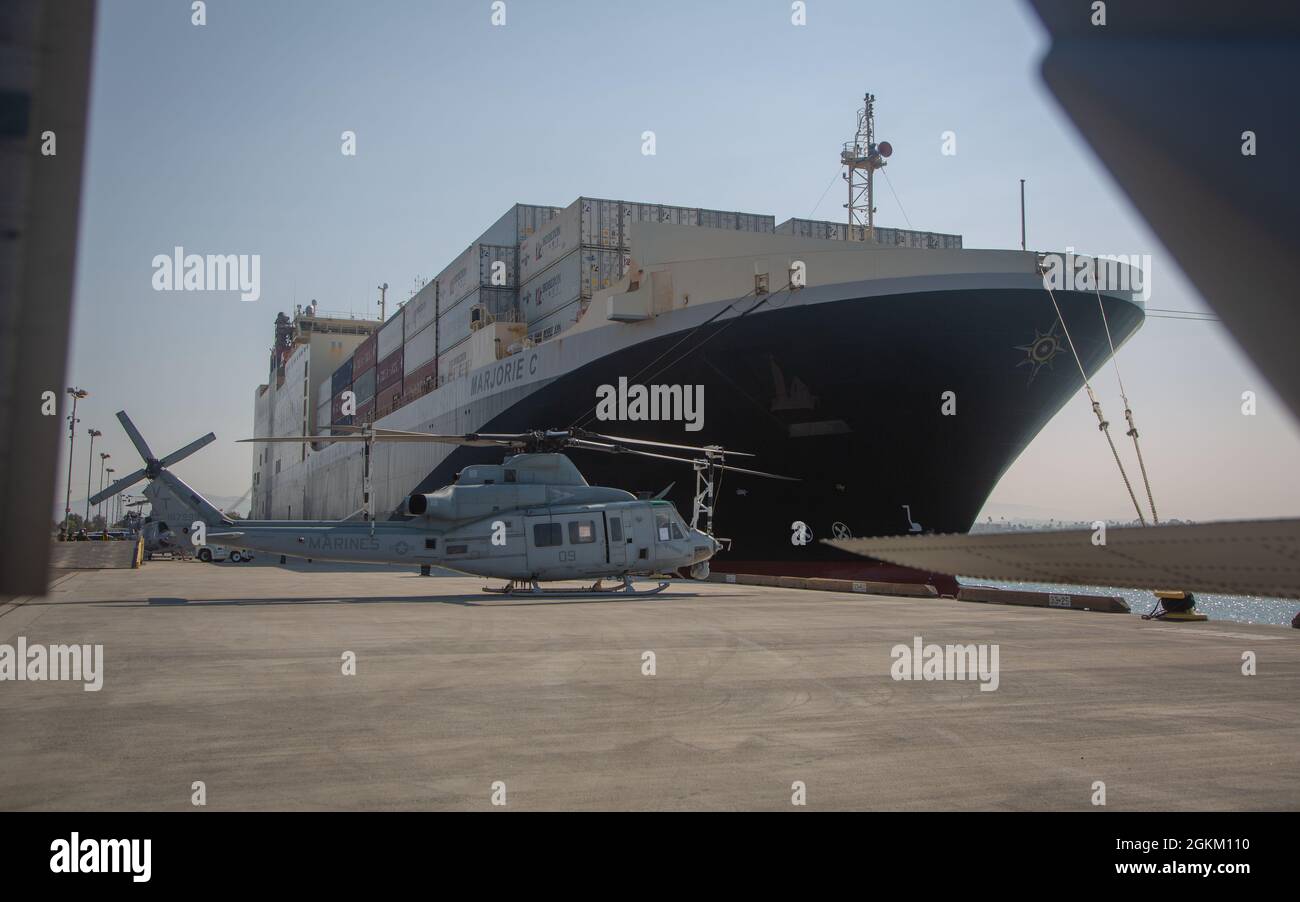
(364, 357)
(390, 371)
(366, 412)
(388, 399)
(420, 381)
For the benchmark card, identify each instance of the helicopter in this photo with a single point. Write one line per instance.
(533, 518)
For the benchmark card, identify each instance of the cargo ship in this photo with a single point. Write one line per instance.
(894, 372)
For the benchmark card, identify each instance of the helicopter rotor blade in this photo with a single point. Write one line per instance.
(686, 460)
(134, 435)
(181, 453)
(125, 482)
(392, 436)
(623, 440)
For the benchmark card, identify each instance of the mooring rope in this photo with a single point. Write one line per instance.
(1128, 410)
(1096, 407)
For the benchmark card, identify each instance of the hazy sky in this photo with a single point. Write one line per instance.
(225, 139)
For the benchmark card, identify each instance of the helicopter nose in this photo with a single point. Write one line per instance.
(705, 546)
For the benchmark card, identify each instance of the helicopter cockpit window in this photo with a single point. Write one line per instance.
(511, 476)
(582, 532)
(677, 531)
(662, 527)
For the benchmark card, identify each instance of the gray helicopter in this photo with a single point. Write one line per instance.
(533, 518)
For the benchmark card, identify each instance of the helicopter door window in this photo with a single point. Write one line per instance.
(547, 535)
(511, 476)
(661, 526)
(615, 529)
(582, 532)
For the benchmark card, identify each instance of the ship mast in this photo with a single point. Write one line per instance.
(862, 157)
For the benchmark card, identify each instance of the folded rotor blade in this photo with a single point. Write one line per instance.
(182, 453)
(134, 434)
(123, 483)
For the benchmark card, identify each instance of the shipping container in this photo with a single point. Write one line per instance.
(336, 409)
(419, 350)
(366, 354)
(733, 221)
(420, 381)
(366, 412)
(389, 370)
(455, 323)
(518, 223)
(323, 416)
(480, 266)
(364, 385)
(636, 212)
(342, 377)
(839, 231)
(420, 310)
(587, 222)
(454, 363)
(388, 399)
(325, 391)
(579, 275)
(390, 336)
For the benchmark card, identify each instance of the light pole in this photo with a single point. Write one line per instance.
(90, 469)
(99, 508)
(111, 513)
(77, 394)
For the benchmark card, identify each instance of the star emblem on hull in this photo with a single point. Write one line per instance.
(1040, 352)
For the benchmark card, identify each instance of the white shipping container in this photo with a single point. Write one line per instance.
(323, 415)
(454, 323)
(635, 212)
(518, 223)
(390, 336)
(587, 222)
(419, 350)
(579, 275)
(324, 392)
(839, 231)
(477, 268)
(742, 222)
(420, 310)
(454, 363)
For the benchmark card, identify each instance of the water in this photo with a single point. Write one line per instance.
(1238, 608)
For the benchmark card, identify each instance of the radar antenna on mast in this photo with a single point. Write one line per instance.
(862, 157)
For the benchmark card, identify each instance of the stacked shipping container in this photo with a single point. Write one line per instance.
(839, 231)
(485, 274)
(584, 249)
(540, 265)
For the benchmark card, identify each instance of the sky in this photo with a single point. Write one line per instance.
(225, 138)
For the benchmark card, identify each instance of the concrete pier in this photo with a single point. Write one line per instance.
(232, 675)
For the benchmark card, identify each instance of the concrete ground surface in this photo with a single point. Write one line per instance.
(232, 675)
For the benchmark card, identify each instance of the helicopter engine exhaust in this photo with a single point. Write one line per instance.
(418, 505)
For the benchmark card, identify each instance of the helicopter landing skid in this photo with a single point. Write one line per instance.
(521, 587)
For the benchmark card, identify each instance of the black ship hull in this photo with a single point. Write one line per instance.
(853, 398)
